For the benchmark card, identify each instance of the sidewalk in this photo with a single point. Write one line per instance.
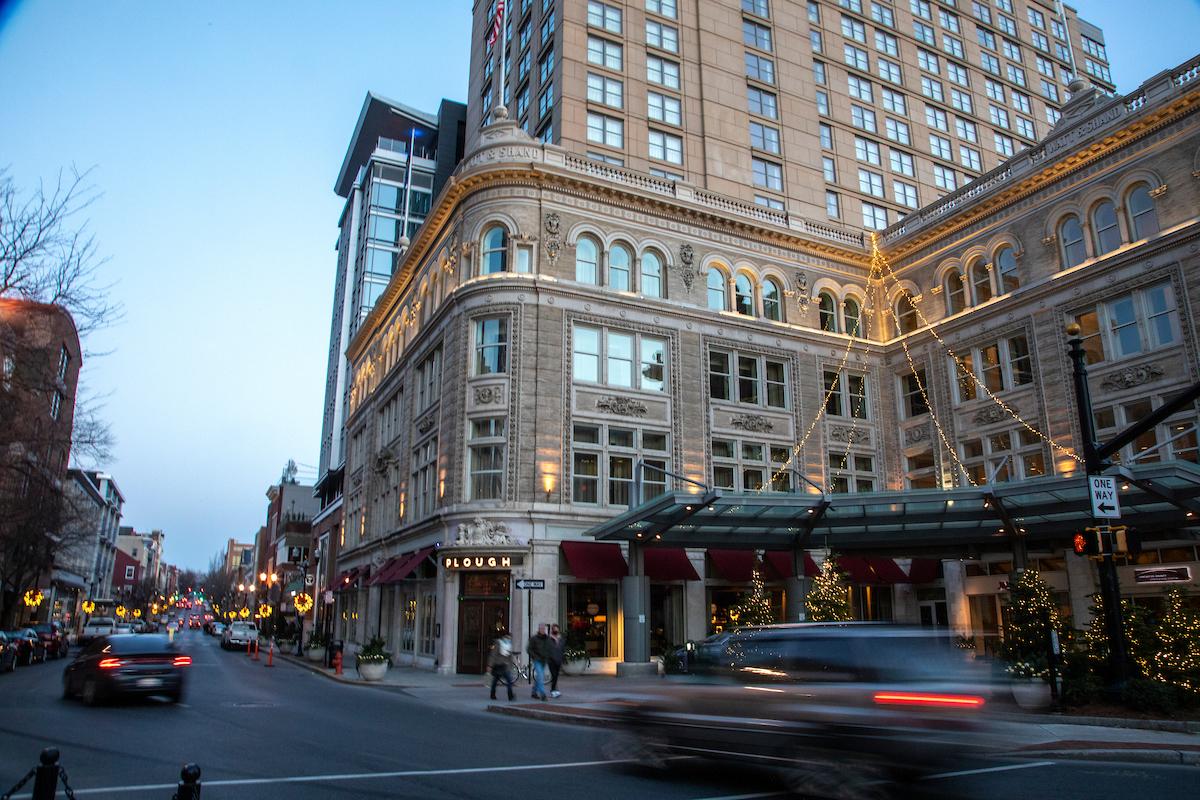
(597, 699)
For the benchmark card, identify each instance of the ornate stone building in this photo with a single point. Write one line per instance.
(565, 338)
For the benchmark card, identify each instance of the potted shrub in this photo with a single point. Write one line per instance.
(575, 660)
(315, 650)
(372, 660)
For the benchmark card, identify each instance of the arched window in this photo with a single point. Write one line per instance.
(1070, 237)
(716, 289)
(852, 314)
(652, 274)
(1143, 217)
(495, 251)
(1105, 227)
(956, 293)
(827, 312)
(772, 307)
(587, 260)
(619, 262)
(906, 314)
(981, 282)
(1005, 262)
(743, 293)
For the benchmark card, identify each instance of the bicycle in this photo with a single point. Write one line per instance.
(520, 668)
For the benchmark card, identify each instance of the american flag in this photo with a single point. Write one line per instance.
(497, 23)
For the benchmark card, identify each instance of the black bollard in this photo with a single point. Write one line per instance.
(189, 783)
(45, 782)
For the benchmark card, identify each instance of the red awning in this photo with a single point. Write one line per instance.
(923, 570)
(872, 570)
(780, 562)
(595, 560)
(733, 565)
(348, 579)
(385, 570)
(408, 565)
(668, 564)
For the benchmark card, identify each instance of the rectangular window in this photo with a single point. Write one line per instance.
(846, 395)
(604, 53)
(886, 43)
(928, 61)
(822, 103)
(491, 345)
(958, 74)
(605, 130)
(936, 118)
(1134, 323)
(546, 66)
(870, 182)
(423, 485)
(924, 33)
(751, 466)
(862, 118)
(944, 178)
(485, 477)
(760, 68)
(662, 36)
(826, 133)
(666, 147)
(662, 72)
(998, 116)
(764, 137)
(902, 163)
(429, 380)
(883, 15)
(860, 89)
(761, 102)
(617, 358)
(663, 108)
(833, 205)
(990, 63)
(898, 131)
(755, 34)
(1021, 102)
(1049, 90)
(953, 45)
(767, 174)
(818, 73)
(1006, 24)
(962, 101)
(940, 147)
(1015, 74)
(602, 15)
(1036, 18)
(606, 90)
(829, 169)
(855, 57)
(665, 8)
(970, 158)
(853, 29)
(889, 71)
(912, 395)
(932, 89)
(1025, 128)
(894, 102)
(1004, 144)
(906, 194)
(874, 217)
(760, 7)
(760, 380)
(866, 150)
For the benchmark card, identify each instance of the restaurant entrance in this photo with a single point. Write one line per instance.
(483, 609)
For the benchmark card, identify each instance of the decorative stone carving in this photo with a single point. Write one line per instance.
(622, 406)
(426, 423)
(686, 258)
(802, 295)
(849, 435)
(1158, 191)
(992, 413)
(553, 243)
(484, 532)
(1132, 376)
(384, 459)
(489, 394)
(1049, 241)
(915, 435)
(756, 423)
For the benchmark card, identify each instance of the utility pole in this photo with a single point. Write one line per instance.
(1110, 586)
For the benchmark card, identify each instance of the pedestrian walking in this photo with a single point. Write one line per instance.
(557, 646)
(500, 663)
(539, 653)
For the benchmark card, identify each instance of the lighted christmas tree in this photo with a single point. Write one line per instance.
(1176, 658)
(828, 598)
(755, 606)
(1031, 617)
(1139, 636)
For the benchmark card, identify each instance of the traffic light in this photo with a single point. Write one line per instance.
(1088, 542)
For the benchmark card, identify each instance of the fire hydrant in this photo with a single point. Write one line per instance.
(337, 662)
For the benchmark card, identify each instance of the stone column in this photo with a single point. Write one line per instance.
(374, 596)
(695, 598)
(904, 604)
(635, 610)
(958, 605)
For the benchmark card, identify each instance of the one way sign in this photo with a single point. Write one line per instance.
(1103, 490)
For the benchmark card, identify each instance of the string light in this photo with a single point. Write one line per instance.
(877, 254)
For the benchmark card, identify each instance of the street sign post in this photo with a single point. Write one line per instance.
(531, 583)
(1103, 492)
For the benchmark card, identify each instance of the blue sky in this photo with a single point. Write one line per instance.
(216, 130)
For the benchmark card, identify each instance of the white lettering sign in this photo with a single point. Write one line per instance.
(1103, 491)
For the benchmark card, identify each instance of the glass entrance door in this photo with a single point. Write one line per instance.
(482, 614)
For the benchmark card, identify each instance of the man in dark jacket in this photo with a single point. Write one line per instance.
(540, 649)
(557, 646)
(500, 663)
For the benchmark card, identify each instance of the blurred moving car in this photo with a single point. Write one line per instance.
(122, 627)
(845, 710)
(127, 664)
(54, 638)
(8, 653)
(216, 628)
(239, 634)
(96, 626)
(30, 648)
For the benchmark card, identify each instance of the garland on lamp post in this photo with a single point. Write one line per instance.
(33, 598)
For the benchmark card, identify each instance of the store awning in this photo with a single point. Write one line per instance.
(872, 570)
(780, 562)
(733, 565)
(595, 560)
(668, 564)
(406, 565)
(349, 578)
(385, 570)
(923, 570)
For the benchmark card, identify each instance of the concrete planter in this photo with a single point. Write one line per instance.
(372, 670)
(315, 654)
(1031, 694)
(577, 667)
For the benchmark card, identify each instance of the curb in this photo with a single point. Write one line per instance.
(545, 715)
(1163, 725)
(1188, 758)
(317, 670)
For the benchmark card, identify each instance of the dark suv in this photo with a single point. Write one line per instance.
(845, 708)
(54, 638)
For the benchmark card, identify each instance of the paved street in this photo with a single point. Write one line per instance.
(243, 724)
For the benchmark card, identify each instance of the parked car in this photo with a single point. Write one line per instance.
(122, 627)
(845, 707)
(8, 653)
(54, 638)
(218, 628)
(97, 626)
(125, 664)
(239, 634)
(30, 649)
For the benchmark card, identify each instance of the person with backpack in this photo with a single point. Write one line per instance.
(500, 663)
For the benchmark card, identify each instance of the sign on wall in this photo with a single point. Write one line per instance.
(476, 561)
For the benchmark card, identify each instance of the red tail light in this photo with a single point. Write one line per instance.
(182, 661)
(928, 700)
(110, 663)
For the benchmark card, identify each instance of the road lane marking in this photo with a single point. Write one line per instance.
(349, 776)
(780, 793)
(1005, 768)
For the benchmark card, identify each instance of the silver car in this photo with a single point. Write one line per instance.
(843, 709)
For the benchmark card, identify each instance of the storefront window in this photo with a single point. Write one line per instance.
(872, 602)
(722, 601)
(589, 609)
(428, 621)
(408, 631)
